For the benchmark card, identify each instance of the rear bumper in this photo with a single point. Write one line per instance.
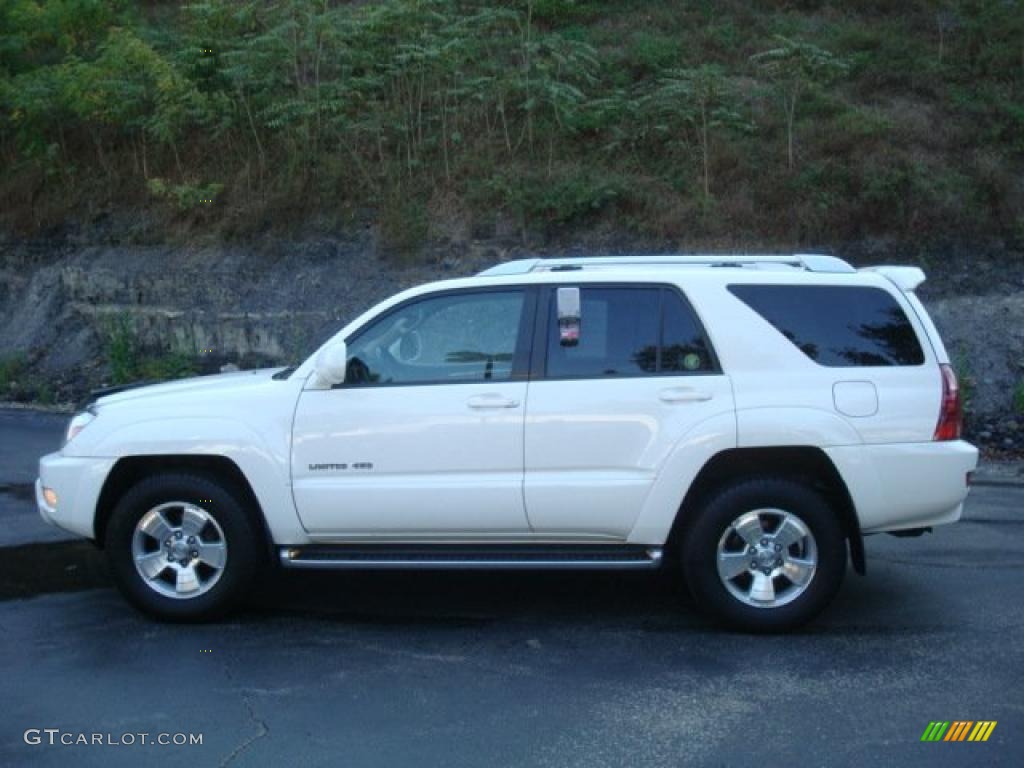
(77, 483)
(906, 485)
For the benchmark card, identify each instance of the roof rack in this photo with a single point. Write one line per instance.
(811, 262)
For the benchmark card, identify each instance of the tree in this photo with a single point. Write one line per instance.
(794, 67)
(701, 98)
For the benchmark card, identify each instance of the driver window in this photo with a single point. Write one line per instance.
(448, 339)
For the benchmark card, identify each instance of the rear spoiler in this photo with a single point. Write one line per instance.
(907, 279)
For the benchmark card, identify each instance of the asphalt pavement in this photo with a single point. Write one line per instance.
(25, 435)
(476, 669)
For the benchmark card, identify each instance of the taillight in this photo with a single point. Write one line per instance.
(951, 416)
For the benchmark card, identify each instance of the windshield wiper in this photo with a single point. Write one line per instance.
(284, 373)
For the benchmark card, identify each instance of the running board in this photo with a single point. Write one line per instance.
(479, 556)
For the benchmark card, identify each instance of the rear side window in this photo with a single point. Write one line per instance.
(837, 326)
(629, 331)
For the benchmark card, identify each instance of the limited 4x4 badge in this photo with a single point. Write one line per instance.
(340, 467)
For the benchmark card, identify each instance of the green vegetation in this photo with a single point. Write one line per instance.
(19, 384)
(128, 360)
(12, 367)
(798, 121)
(1018, 398)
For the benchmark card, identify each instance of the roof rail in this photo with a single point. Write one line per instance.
(810, 262)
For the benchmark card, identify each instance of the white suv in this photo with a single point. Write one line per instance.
(748, 418)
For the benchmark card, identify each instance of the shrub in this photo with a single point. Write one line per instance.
(20, 384)
(651, 52)
(569, 196)
(185, 196)
(121, 350)
(128, 360)
(403, 225)
(11, 368)
(168, 365)
(560, 11)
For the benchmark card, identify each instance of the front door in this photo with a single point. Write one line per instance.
(425, 437)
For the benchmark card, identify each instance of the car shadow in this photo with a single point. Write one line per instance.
(477, 597)
(651, 601)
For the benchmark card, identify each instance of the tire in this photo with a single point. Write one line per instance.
(769, 577)
(200, 575)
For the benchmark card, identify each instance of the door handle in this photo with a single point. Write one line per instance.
(684, 395)
(491, 401)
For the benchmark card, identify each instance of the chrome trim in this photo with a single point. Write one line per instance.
(292, 558)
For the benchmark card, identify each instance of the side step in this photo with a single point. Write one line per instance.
(473, 556)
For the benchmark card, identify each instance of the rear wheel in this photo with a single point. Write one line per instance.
(182, 547)
(765, 555)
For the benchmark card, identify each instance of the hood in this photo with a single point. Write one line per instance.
(223, 383)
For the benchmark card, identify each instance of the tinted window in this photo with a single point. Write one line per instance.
(622, 334)
(837, 325)
(683, 346)
(454, 338)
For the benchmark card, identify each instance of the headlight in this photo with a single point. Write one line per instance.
(78, 422)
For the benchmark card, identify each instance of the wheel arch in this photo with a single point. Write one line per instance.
(129, 470)
(806, 464)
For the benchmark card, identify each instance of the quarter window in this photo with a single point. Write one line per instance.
(684, 349)
(447, 339)
(837, 326)
(627, 331)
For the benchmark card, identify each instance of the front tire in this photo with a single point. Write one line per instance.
(765, 555)
(181, 547)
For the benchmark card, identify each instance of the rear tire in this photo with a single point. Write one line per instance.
(764, 555)
(181, 547)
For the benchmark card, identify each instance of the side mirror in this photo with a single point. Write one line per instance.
(568, 305)
(331, 363)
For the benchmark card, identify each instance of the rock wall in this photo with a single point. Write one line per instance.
(230, 303)
(984, 336)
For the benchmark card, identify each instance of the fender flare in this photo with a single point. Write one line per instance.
(266, 473)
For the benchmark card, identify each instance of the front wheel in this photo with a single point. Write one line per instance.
(765, 555)
(181, 547)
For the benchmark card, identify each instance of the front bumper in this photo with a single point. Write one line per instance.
(77, 482)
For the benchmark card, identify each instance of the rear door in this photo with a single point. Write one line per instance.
(603, 414)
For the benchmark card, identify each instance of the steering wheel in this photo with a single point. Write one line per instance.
(357, 372)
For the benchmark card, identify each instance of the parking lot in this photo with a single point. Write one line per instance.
(557, 669)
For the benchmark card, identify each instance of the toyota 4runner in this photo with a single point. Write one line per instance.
(746, 418)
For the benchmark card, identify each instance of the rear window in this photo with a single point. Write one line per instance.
(838, 326)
